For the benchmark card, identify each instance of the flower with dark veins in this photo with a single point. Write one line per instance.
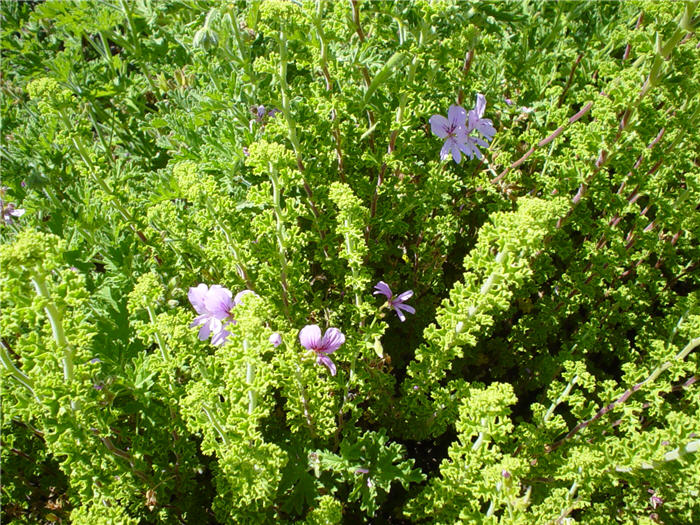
(310, 338)
(214, 306)
(482, 126)
(457, 130)
(477, 121)
(454, 130)
(397, 303)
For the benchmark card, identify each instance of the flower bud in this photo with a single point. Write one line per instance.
(378, 348)
(205, 39)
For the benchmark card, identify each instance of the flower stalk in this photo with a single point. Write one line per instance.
(318, 19)
(304, 400)
(240, 269)
(56, 321)
(281, 235)
(216, 423)
(286, 110)
(250, 380)
(159, 339)
(15, 373)
(694, 343)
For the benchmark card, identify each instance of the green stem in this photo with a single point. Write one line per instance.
(250, 379)
(284, 89)
(134, 37)
(561, 398)
(304, 400)
(15, 372)
(694, 343)
(239, 41)
(346, 397)
(214, 420)
(318, 24)
(56, 321)
(280, 232)
(229, 242)
(350, 248)
(286, 111)
(159, 339)
(85, 156)
(673, 455)
(480, 438)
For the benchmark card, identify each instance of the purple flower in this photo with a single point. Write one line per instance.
(310, 338)
(396, 302)
(275, 339)
(214, 306)
(8, 208)
(258, 112)
(654, 499)
(477, 122)
(454, 130)
(9, 211)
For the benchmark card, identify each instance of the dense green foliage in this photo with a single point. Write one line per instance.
(549, 373)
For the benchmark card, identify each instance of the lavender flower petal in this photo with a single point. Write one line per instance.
(453, 130)
(480, 105)
(204, 331)
(383, 288)
(454, 148)
(332, 340)
(327, 362)
(218, 302)
(406, 308)
(477, 122)
(457, 116)
(196, 297)
(446, 150)
(469, 148)
(397, 303)
(220, 337)
(310, 337)
(439, 126)
(405, 296)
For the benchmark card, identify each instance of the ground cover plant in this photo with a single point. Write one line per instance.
(350, 262)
